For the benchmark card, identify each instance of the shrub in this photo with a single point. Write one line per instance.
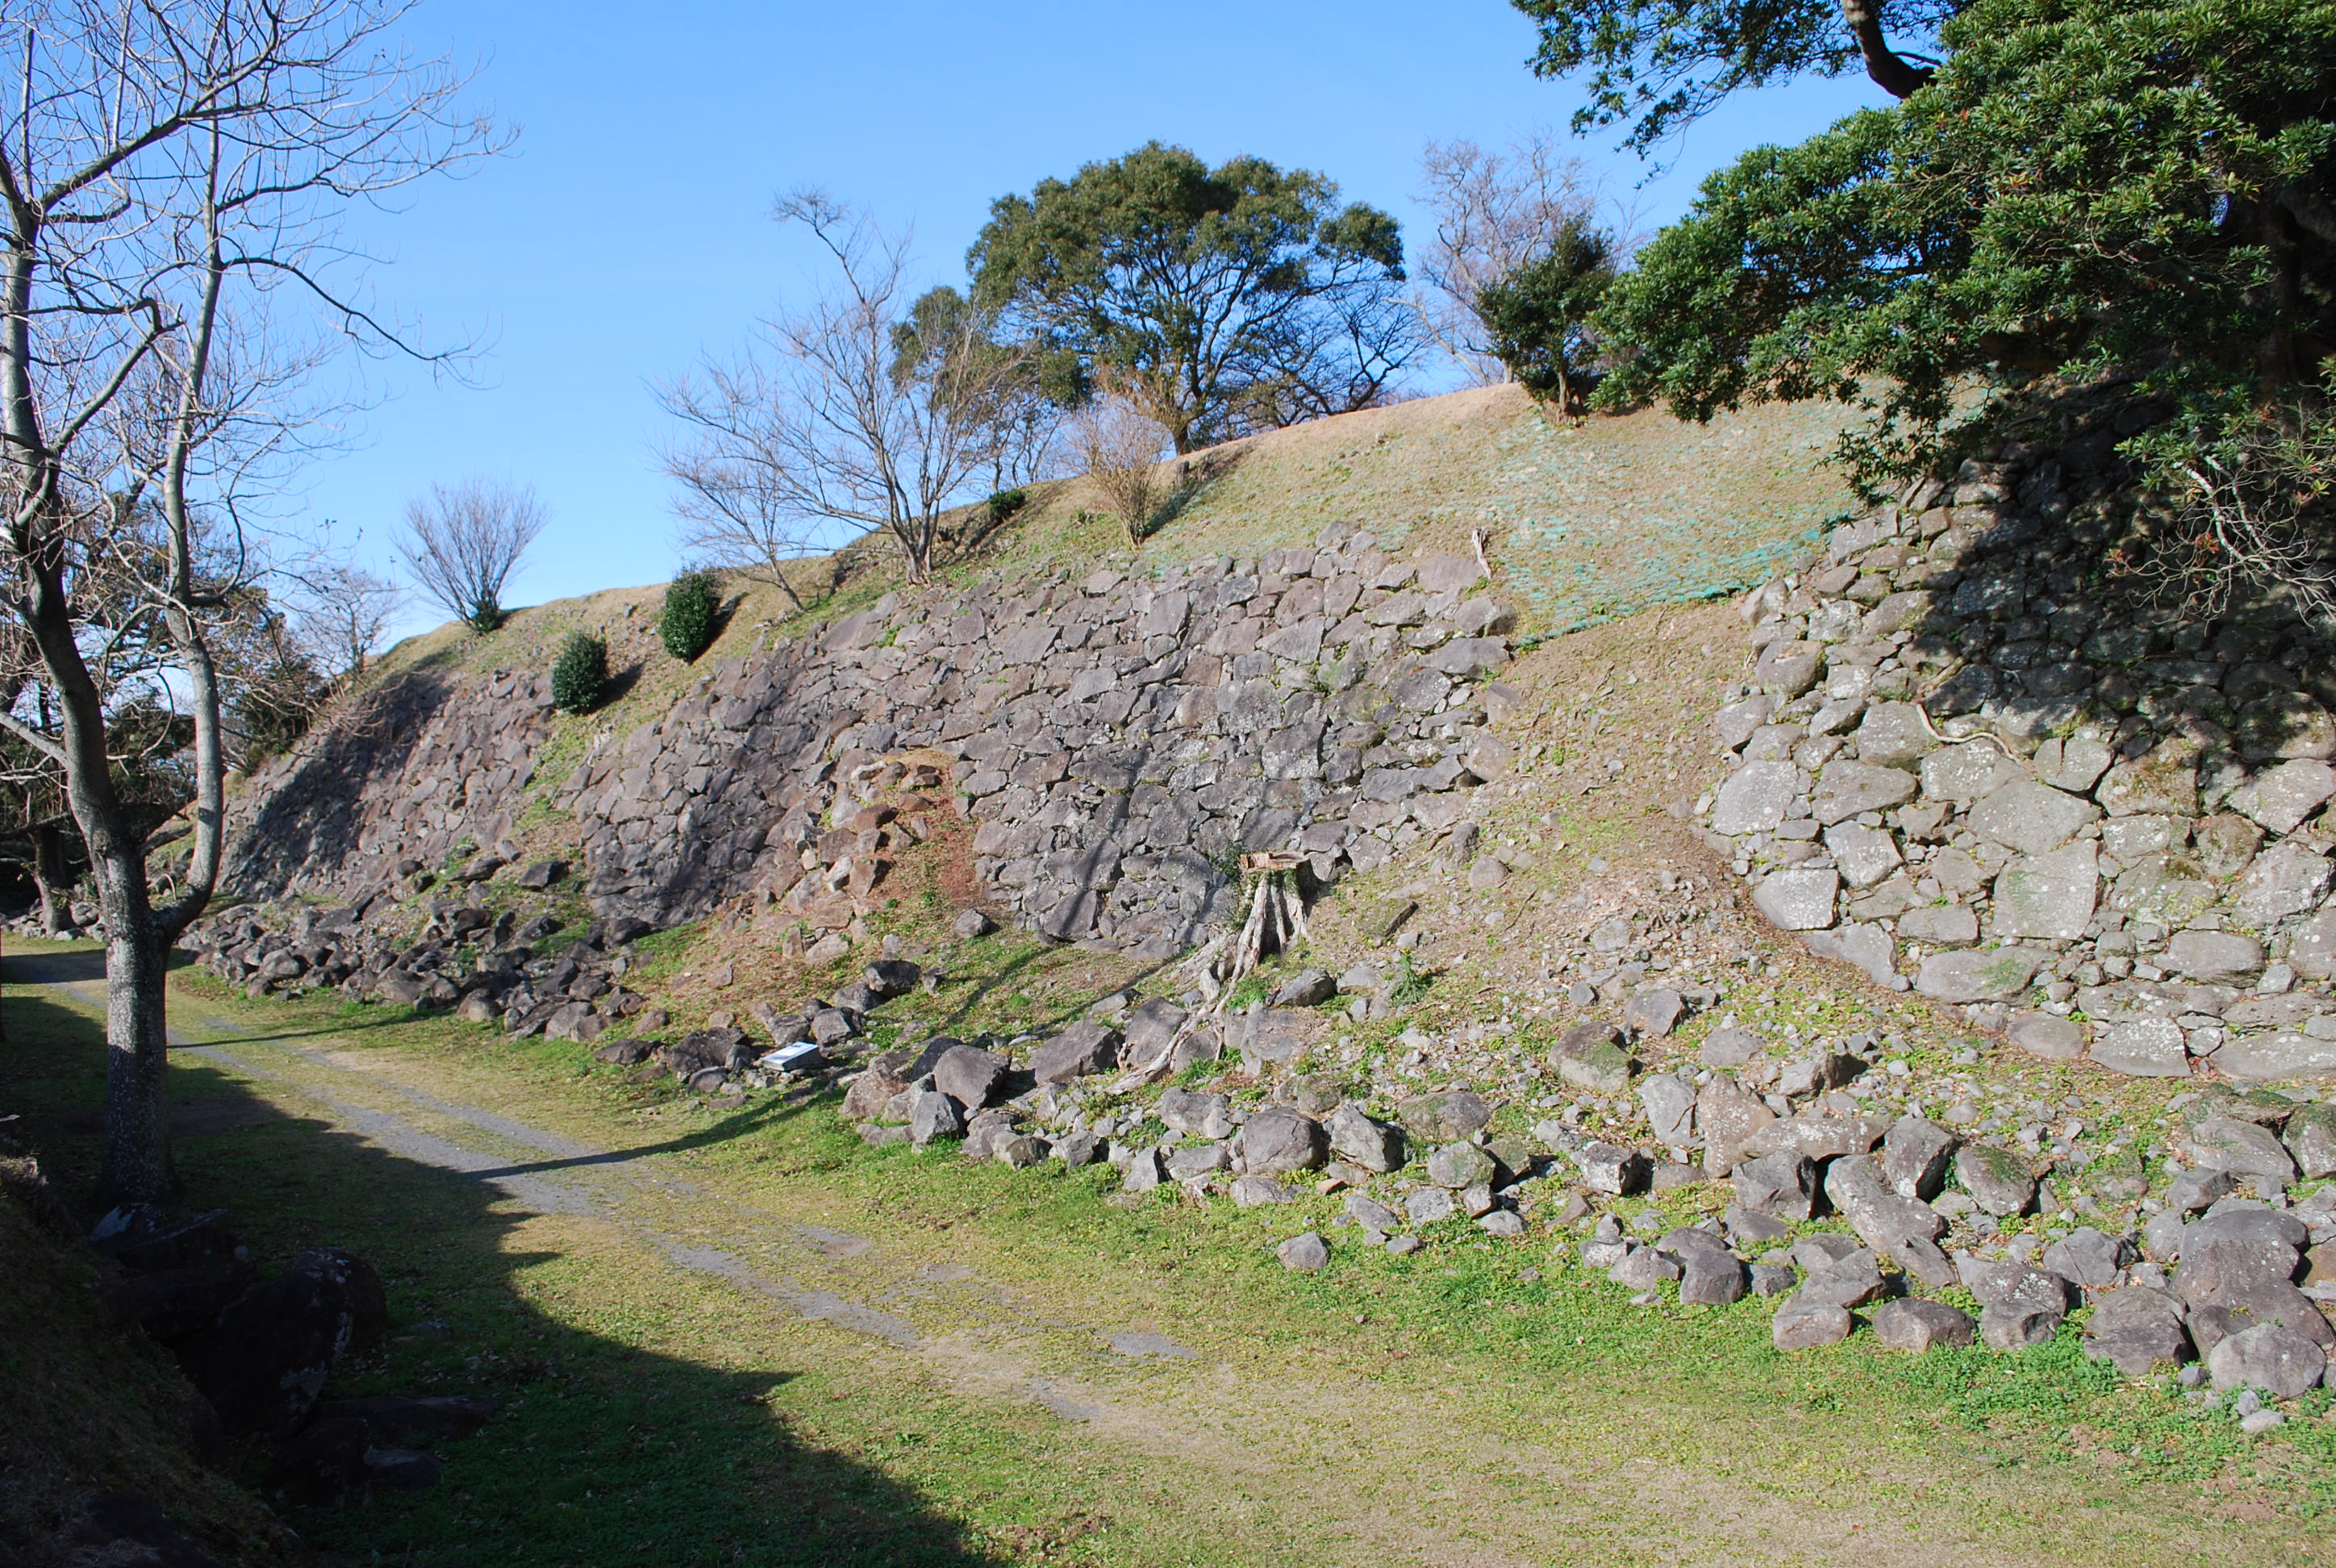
(692, 602)
(579, 675)
(1005, 503)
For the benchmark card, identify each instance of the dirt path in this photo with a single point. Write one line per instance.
(1273, 1461)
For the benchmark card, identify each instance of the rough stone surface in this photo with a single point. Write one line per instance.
(1914, 1325)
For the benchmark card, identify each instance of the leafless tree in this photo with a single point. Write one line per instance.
(1122, 446)
(464, 541)
(825, 428)
(344, 611)
(1495, 211)
(172, 177)
(737, 507)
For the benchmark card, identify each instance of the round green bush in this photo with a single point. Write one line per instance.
(579, 675)
(692, 602)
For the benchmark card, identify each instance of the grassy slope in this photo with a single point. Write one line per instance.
(1443, 1408)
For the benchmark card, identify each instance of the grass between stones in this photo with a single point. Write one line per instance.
(744, 1336)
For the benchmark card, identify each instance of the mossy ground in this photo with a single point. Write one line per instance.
(952, 1395)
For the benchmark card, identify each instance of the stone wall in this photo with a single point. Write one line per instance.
(1964, 764)
(1118, 741)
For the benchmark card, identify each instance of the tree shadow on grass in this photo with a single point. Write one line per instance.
(602, 1452)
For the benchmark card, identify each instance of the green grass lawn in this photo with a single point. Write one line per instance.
(742, 1335)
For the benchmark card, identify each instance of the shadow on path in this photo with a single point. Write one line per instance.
(604, 1452)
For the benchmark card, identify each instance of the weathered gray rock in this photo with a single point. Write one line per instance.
(1151, 1031)
(1915, 1153)
(1845, 789)
(2049, 896)
(1782, 1185)
(1198, 1162)
(2273, 1360)
(1196, 1114)
(1458, 1166)
(1864, 945)
(1940, 926)
(2311, 1140)
(2286, 879)
(2277, 1058)
(1085, 1049)
(1372, 1144)
(1444, 1118)
(1644, 1268)
(1914, 1325)
(2143, 1048)
(2086, 1257)
(1729, 1047)
(2031, 818)
(1278, 1140)
(1864, 854)
(1753, 798)
(1306, 989)
(969, 1077)
(1258, 1191)
(1998, 1180)
(2047, 1036)
(1609, 1168)
(2075, 764)
(1985, 975)
(933, 1114)
(1372, 1215)
(2138, 1329)
(1893, 735)
(1304, 1254)
(2312, 952)
(1853, 1278)
(2242, 1148)
(1425, 1206)
(1670, 1103)
(971, 923)
(2195, 1189)
(1728, 1114)
(1712, 1278)
(2010, 1326)
(1653, 1014)
(1800, 899)
(2213, 955)
(2280, 798)
(1805, 1324)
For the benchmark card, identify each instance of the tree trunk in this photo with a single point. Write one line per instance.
(137, 1161)
(48, 875)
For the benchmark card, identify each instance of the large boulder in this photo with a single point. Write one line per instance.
(1373, 1145)
(1085, 1049)
(2277, 1362)
(1278, 1140)
(971, 1077)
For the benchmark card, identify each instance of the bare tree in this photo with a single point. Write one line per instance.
(1496, 211)
(836, 429)
(1121, 444)
(344, 611)
(463, 542)
(172, 175)
(738, 506)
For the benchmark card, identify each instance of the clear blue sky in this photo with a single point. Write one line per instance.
(628, 232)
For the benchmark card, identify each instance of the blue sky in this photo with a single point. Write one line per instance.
(628, 232)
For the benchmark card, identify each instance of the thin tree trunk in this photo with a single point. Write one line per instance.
(48, 872)
(136, 1165)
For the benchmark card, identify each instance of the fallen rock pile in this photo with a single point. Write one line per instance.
(259, 1352)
